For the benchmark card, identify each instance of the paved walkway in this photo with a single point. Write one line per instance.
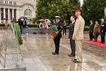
(37, 56)
(10, 56)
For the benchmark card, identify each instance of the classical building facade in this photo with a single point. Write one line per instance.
(14, 9)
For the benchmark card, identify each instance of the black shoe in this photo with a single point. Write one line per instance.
(101, 42)
(76, 61)
(70, 55)
(54, 53)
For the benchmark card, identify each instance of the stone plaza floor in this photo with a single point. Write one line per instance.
(37, 55)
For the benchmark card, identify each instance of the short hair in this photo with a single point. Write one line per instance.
(74, 17)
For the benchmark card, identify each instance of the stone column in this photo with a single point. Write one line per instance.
(4, 14)
(8, 15)
(12, 14)
(18, 13)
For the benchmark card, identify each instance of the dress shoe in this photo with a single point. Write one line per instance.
(54, 53)
(76, 61)
(70, 55)
(101, 42)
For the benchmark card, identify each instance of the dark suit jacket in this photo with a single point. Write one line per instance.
(103, 27)
(71, 30)
(60, 28)
(91, 28)
(20, 22)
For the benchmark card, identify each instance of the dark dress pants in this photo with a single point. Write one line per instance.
(72, 44)
(57, 43)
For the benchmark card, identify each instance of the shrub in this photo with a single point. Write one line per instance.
(33, 25)
(2, 24)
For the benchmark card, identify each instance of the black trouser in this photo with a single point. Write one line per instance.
(64, 30)
(57, 43)
(21, 29)
(91, 35)
(96, 36)
(72, 45)
(102, 37)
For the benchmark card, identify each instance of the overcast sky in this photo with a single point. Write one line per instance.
(81, 2)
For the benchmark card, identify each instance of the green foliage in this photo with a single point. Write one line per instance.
(2, 25)
(33, 20)
(50, 8)
(93, 10)
(86, 29)
(33, 25)
(17, 32)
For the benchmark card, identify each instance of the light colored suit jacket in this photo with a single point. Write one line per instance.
(79, 29)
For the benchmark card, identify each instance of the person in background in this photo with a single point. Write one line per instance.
(20, 22)
(47, 23)
(64, 27)
(96, 31)
(91, 30)
(24, 23)
(78, 36)
(102, 30)
(6, 24)
(41, 25)
(72, 42)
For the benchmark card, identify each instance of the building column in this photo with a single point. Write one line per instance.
(8, 15)
(12, 14)
(4, 14)
(18, 14)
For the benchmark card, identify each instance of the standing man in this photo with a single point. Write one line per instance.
(64, 27)
(20, 22)
(91, 30)
(102, 30)
(78, 36)
(71, 30)
(58, 37)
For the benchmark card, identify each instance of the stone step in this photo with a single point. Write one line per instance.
(16, 69)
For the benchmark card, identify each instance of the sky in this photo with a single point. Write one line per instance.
(81, 2)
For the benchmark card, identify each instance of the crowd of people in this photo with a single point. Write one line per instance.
(76, 33)
(97, 29)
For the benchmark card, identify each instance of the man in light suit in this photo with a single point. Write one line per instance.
(78, 36)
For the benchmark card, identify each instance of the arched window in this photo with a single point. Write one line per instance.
(27, 12)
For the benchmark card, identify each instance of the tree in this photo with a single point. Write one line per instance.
(50, 8)
(93, 10)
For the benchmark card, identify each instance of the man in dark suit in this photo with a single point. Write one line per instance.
(102, 30)
(72, 42)
(58, 37)
(91, 30)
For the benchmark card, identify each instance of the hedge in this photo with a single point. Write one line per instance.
(2, 24)
(18, 33)
(33, 25)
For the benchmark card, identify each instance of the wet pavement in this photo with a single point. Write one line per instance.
(10, 55)
(37, 55)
